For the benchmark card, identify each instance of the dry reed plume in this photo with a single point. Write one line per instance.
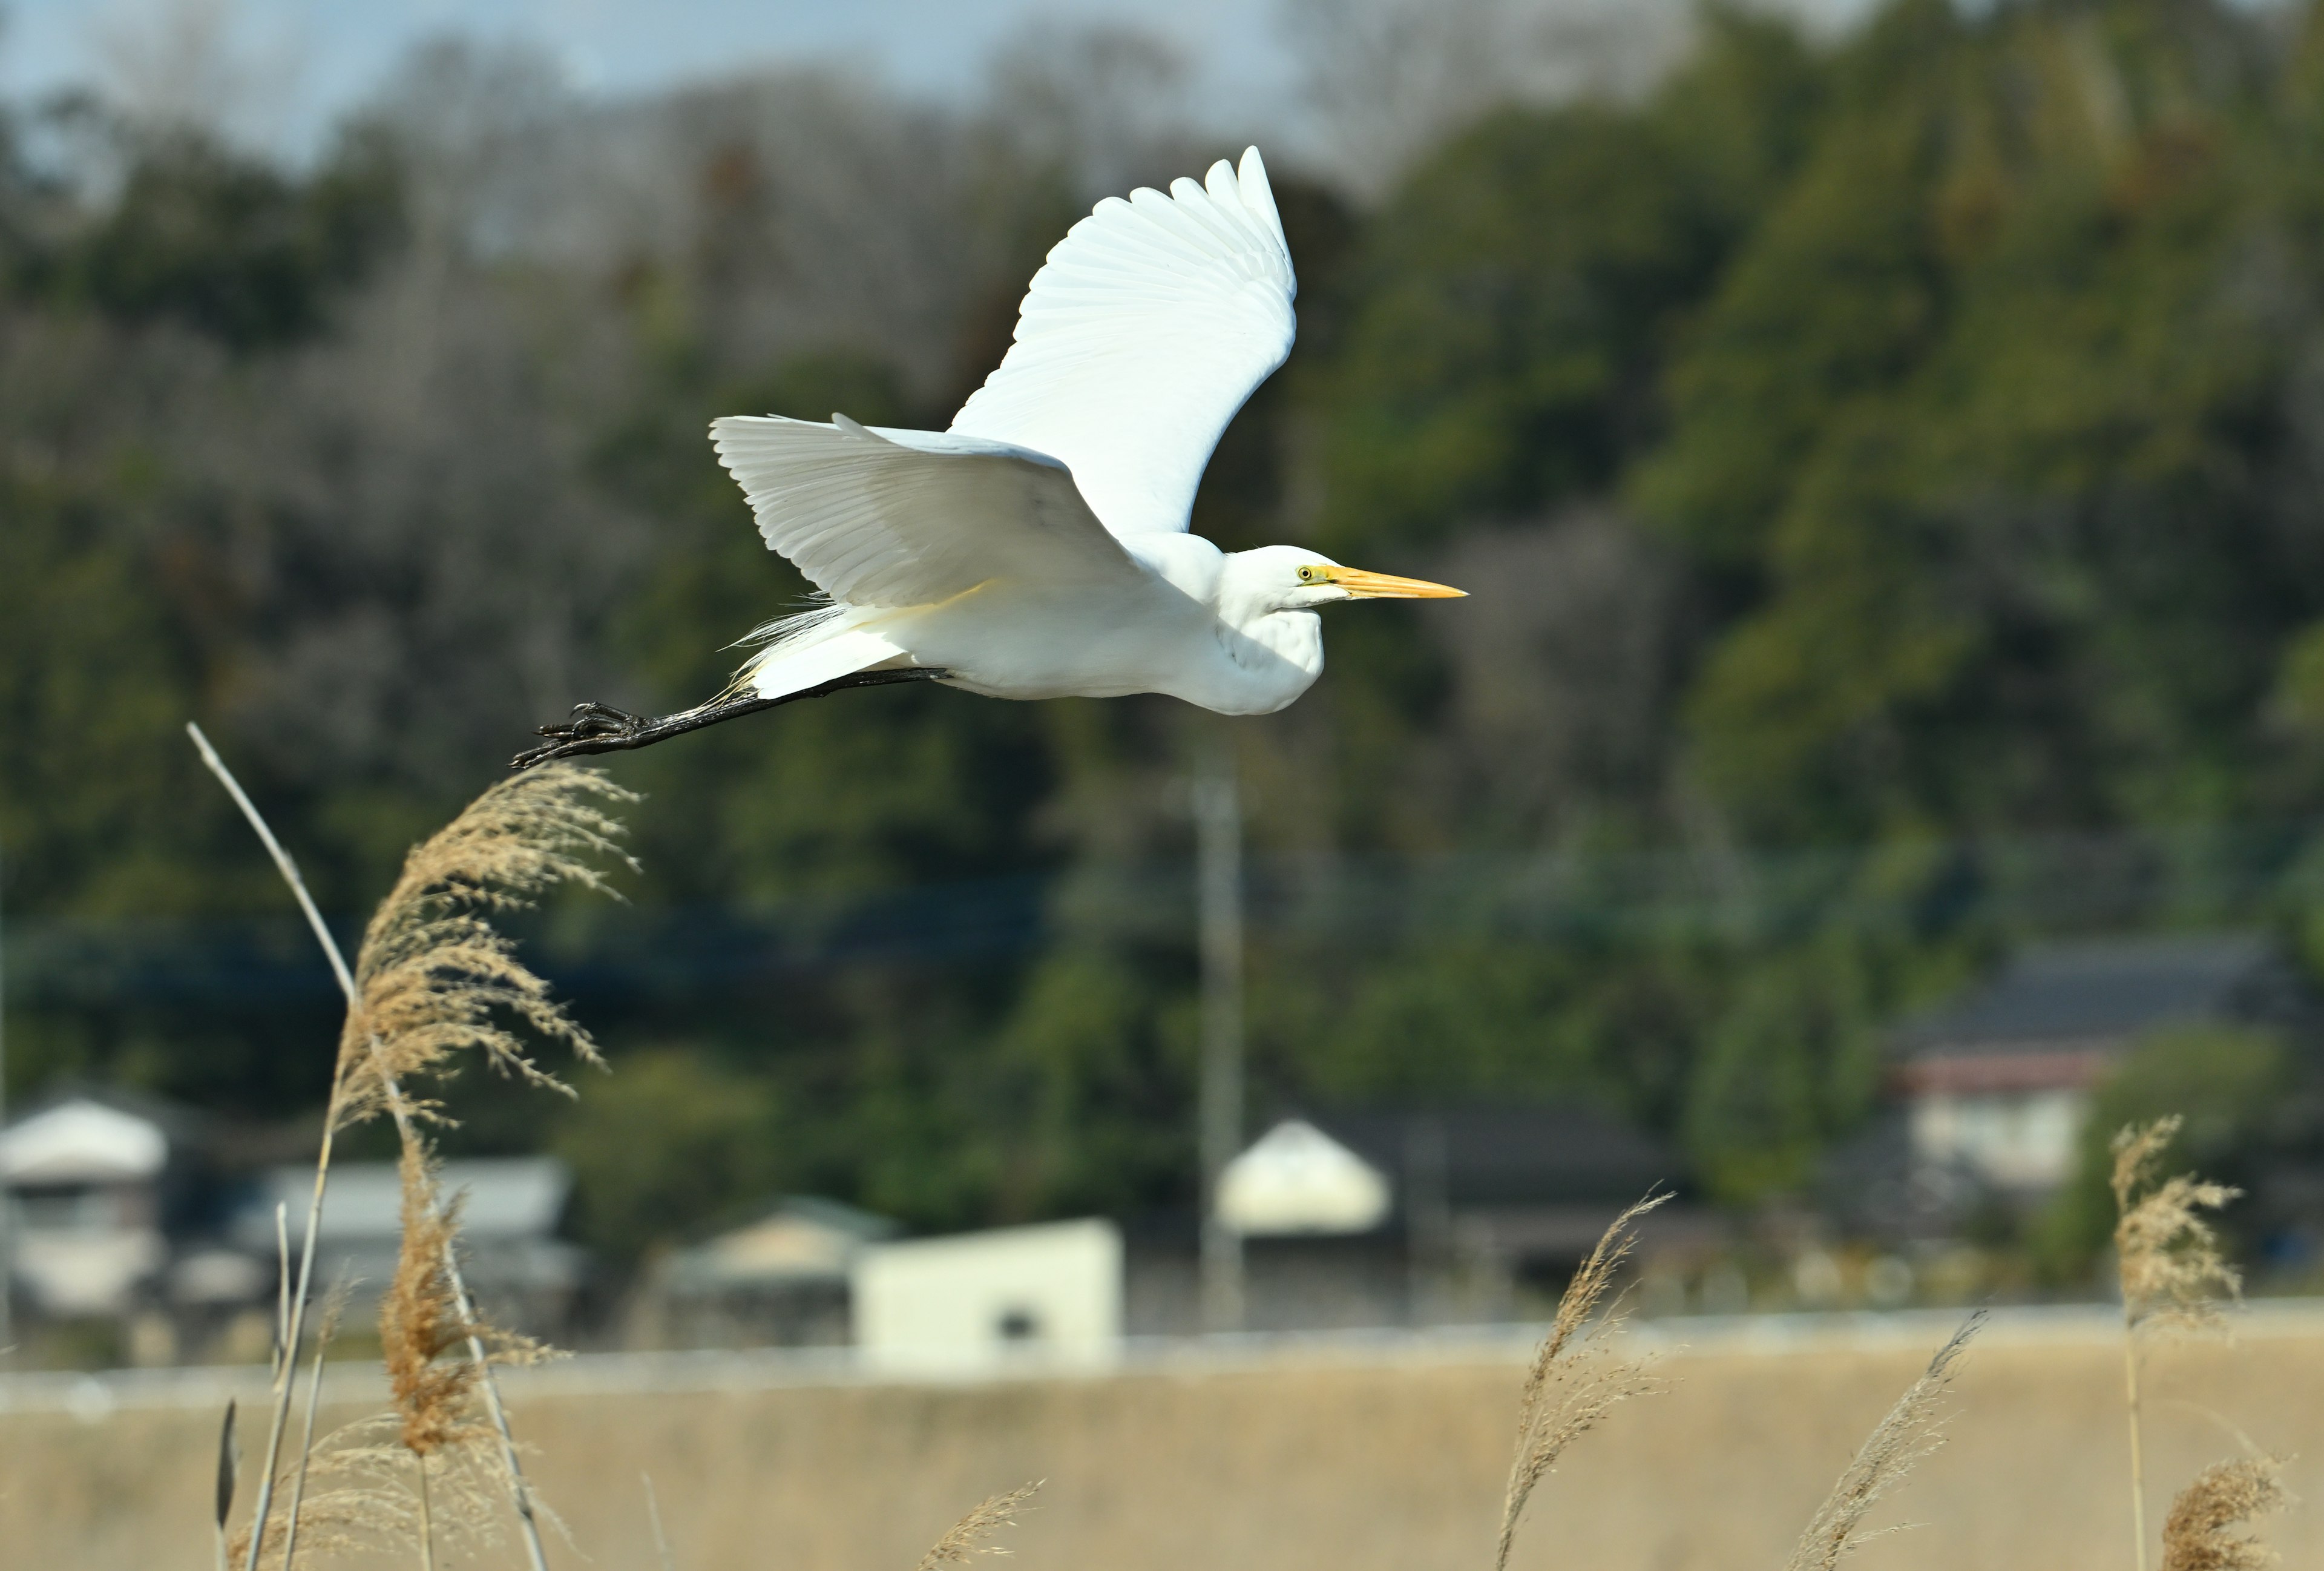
(2196, 1535)
(434, 977)
(2167, 1257)
(1574, 1379)
(966, 1537)
(419, 1324)
(425, 1469)
(1912, 1432)
(364, 1499)
(420, 1321)
(2172, 1276)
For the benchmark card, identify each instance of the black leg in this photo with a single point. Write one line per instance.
(595, 728)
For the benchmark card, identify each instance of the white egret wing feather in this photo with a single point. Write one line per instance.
(1148, 327)
(876, 517)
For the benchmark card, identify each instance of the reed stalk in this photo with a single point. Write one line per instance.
(2168, 1264)
(653, 1520)
(331, 1312)
(436, 1018)
(1911, 1433)
(2137, 1448)
(426, 1522)
(1573, 1380)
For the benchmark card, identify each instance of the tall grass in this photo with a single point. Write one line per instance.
(2168, 1267)
(435, 983)
(433, 980)
(2198, 1535)
(968, 1535)
(1575, 1379)
(1909, 1436)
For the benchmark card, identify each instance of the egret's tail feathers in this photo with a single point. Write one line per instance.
(786, 631)
(800, 657)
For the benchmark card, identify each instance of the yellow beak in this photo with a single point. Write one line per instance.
(1382, 586)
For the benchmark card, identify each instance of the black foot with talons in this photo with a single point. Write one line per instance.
(593, 728)
(601, 728)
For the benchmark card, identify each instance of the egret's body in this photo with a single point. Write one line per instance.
(1039, 548)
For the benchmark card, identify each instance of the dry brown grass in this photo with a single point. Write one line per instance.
(419, 1323)
(966, 1537)
(434, 978)
(426, 1469)
(2197, 1536)
(2172, 1275)
(1332, 1459)
(1574, 1379)
(432, 1388)
(2168, 1255)
(1912, 1433)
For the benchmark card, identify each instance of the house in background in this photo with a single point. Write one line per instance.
(1049, 1295)
(1996, 1086)
(781, 1280)
(88, 1181)
(112, 1202)
(521, 1274)
(1420, 1215)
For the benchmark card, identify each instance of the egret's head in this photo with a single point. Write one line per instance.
(1293, 579)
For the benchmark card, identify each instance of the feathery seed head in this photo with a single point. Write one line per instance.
(966, 1536)
(2195, 1536)
(1575, 1380)
(434, 977)
(2167, 1255)
(1912, 1432)
(418, 1322)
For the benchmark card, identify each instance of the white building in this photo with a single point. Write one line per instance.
(1297, 1180)
(1046, 1296)
(1997, 1085)
(83, 1181)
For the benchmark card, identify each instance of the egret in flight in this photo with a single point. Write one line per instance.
(1041, 547)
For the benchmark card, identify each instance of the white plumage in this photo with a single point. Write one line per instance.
(1039, 548)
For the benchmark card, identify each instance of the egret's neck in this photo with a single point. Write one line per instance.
(1266, 655)
(1271, 659)
(1295, 637)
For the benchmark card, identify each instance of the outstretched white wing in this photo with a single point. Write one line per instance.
(1140, 338)
(879, 517)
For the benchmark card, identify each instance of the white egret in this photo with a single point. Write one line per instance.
(1041, 547)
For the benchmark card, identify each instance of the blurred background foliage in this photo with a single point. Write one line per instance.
(1889, 468)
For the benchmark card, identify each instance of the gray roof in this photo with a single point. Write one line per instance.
(1510, 1154)
(2104, 994)
(507, 1198)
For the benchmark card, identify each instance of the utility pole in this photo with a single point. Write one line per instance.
(1218, 856)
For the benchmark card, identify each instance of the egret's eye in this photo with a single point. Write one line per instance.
(1311, 575)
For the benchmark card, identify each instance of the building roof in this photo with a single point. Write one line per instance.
(1500, 1156)
(802, 1241)
(2100, 996)
(504, 1199)
(1296, 1179)
(82, 1139)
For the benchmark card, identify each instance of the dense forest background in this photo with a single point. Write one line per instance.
(1889, 468)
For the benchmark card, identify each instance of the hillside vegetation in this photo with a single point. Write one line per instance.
(1891, 475)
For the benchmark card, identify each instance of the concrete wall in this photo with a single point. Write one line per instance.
(1360, 1457)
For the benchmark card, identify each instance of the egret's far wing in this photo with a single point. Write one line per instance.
(878, 517)
(1142, 335)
